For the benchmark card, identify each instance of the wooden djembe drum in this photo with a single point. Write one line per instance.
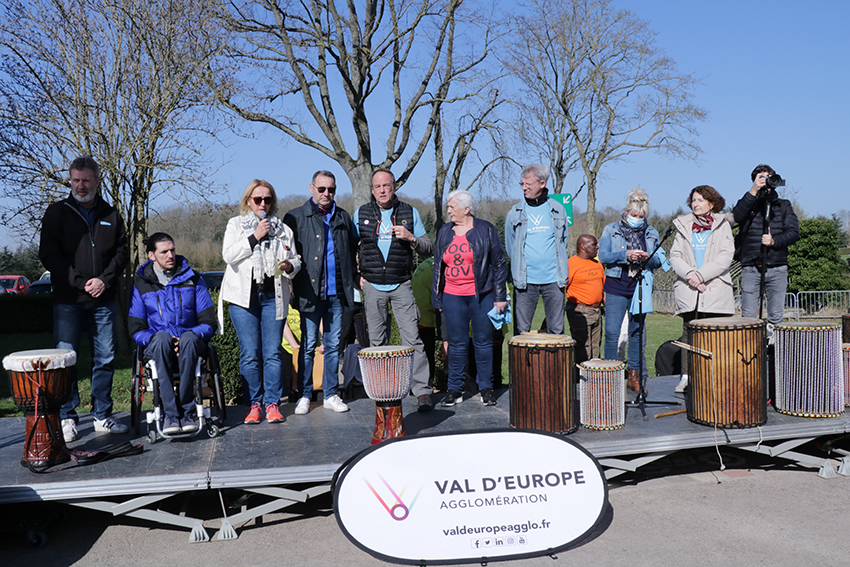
(387, 372)
(40, 381)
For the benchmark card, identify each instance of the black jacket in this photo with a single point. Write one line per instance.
(398, 267)
(488, 261)
(308, 230)
(749, 213)
(74, 253)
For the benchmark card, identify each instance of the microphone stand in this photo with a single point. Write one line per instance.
(640, 400)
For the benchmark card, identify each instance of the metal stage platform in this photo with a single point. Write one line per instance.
(291, 462)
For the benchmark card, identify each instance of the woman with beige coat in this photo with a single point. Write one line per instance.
(701, 256)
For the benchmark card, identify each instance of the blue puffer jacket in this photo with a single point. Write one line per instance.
(182, 305)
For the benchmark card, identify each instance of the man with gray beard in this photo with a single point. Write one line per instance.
(84, 246)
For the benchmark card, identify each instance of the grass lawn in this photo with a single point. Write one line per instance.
(660, 328)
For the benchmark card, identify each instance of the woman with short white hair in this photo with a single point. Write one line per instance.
(470, 275)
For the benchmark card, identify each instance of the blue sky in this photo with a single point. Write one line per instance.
(776, 77)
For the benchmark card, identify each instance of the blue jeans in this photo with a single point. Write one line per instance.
(617, 307)
(69, 321)
(775, 286)
(260, 353)
(458, 312)
(161, 350)
(328, 312)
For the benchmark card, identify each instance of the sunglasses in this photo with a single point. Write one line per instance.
(266, 200)
(330, 189)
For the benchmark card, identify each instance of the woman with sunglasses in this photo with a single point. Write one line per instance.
(259, 251)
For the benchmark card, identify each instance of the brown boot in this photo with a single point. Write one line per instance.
(633, 383)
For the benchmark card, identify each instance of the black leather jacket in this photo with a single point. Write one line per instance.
(308, 230)
(488, 261)
(749, 214)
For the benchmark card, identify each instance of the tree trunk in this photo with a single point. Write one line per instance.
(360, 176)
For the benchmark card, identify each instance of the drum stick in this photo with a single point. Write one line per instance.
(686, 346)
(674, 412)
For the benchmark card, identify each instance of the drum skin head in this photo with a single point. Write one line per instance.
(538, 339)
(388, 350)
(600, 364)
(50, 359)
(726, 322)
(809, 326)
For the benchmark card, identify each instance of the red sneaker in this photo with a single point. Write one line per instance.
(273, 414)
(255, 415)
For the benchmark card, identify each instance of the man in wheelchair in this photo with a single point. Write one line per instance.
(172, 317)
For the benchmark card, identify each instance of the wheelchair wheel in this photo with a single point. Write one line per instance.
(138, 396)
(212, 430)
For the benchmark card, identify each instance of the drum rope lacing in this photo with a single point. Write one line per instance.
(713, 382)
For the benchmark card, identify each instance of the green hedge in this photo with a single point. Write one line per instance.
(26, 314)
(227, 347)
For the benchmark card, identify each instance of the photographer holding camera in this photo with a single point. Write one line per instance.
(768, 226)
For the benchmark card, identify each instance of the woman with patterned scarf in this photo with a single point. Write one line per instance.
(259, 252)
(701, 257)
(623, 246)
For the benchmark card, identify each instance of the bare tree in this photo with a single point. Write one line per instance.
(114, 79)
(616, 90)
(307, 67)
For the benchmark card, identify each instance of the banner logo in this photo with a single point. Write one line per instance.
(399, 510)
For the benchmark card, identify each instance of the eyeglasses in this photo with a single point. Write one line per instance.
(330, 189)
(266, 200)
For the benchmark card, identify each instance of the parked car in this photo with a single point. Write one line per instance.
(40, 287)
(15, 284)
(213, 279)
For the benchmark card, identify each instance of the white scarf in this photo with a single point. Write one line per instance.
(263, 257)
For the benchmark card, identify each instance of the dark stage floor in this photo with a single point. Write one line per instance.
(310, 448)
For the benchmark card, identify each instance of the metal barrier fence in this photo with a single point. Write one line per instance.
(800, 305)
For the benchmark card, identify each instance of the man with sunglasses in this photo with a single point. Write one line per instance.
(389, 231)
(324, 238)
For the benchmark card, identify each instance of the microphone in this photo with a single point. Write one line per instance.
(262, 215)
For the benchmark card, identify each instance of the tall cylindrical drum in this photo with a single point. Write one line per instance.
(727, 372)
(602, 394)
(809, 380)
(387, 372)
(543, 393)
(845, 368)
(40, 381)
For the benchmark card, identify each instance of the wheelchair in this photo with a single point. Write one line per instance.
(208, 385)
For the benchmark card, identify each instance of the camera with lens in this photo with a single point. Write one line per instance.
(775, 181)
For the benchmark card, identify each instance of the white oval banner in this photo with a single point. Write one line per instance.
(469, 497)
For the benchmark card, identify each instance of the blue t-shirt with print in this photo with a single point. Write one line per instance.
(540, 263)
(699, 242)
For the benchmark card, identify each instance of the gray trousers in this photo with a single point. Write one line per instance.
(775, 286)
(525, 304)
(377, 303)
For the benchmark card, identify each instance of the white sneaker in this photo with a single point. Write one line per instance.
(109, 425)
(336, 404)
(683, 383)
(69, 430)
(302, 407)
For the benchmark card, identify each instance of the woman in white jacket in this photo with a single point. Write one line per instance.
(259, 252)
(701, 257)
